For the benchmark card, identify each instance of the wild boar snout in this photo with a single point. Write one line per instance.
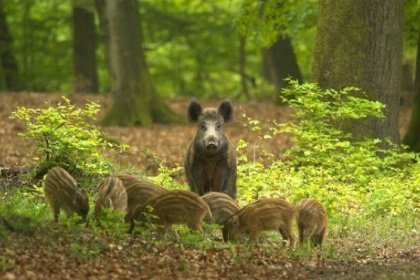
(211, 143)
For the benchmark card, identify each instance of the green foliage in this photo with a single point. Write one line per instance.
(348, 176)
(411, 23)
(320, 141)
(166, 175)
(23, 209)
(188, 238)
(371, 233)
(64, 137)
(265, 21)
(42, 37)
(192, 47)
(5, 264)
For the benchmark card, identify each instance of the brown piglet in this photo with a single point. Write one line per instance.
(221, 206)
(112, 194)
(264, 214)
(61, 192)
(312, 221)
(129, 180)
(137, 195)
(174, 207)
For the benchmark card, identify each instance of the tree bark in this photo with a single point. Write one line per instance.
(242, 66)
(135, 99)
(84, 48)
(359, 43)
(412, 137)
(279, 62)
(104, 35)
(8, 61)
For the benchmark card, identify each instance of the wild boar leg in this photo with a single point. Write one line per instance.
(287, 235)
(56, 212)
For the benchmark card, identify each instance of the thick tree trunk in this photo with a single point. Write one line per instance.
(412, 137)
(8, 61)
(135, 99)
(359, 43)
(84, 47)
(279, 62)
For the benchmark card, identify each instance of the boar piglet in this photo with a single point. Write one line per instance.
(61, 192)
(129, 180)
(111, 195)
(221, 206)
(210, 161)
(312, 221)
(137, 195)
(174, 207)
(265, 214)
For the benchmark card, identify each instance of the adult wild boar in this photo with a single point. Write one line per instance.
(210, 161)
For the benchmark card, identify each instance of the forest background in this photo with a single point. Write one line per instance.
(242, 50)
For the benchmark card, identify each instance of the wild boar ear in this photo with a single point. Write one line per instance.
(194, 111)
(79, 197)
(226, 110)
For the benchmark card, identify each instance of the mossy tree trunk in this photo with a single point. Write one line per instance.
(135, 99)
(84, 47)
(359, 43)
(279, 62)
(412, 137)
(8, 61)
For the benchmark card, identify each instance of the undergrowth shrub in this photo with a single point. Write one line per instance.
(25, 209)
(348, 176)
(65, 137)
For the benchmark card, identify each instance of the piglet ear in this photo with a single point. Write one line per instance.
(226, 110)
(194, 111)
(78, 197)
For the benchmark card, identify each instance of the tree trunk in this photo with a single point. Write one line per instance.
(412, 137)
(359, 43)
(242, 66)
(135, 99)
(8, 60)
(104, 35)
(84, 47)
(279, 62)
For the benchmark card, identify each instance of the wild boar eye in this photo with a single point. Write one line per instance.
(203, 126)
(217, 125)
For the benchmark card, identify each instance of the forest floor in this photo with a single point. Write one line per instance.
(45, 254)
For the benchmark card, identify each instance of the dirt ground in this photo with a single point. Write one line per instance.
(35, 257)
